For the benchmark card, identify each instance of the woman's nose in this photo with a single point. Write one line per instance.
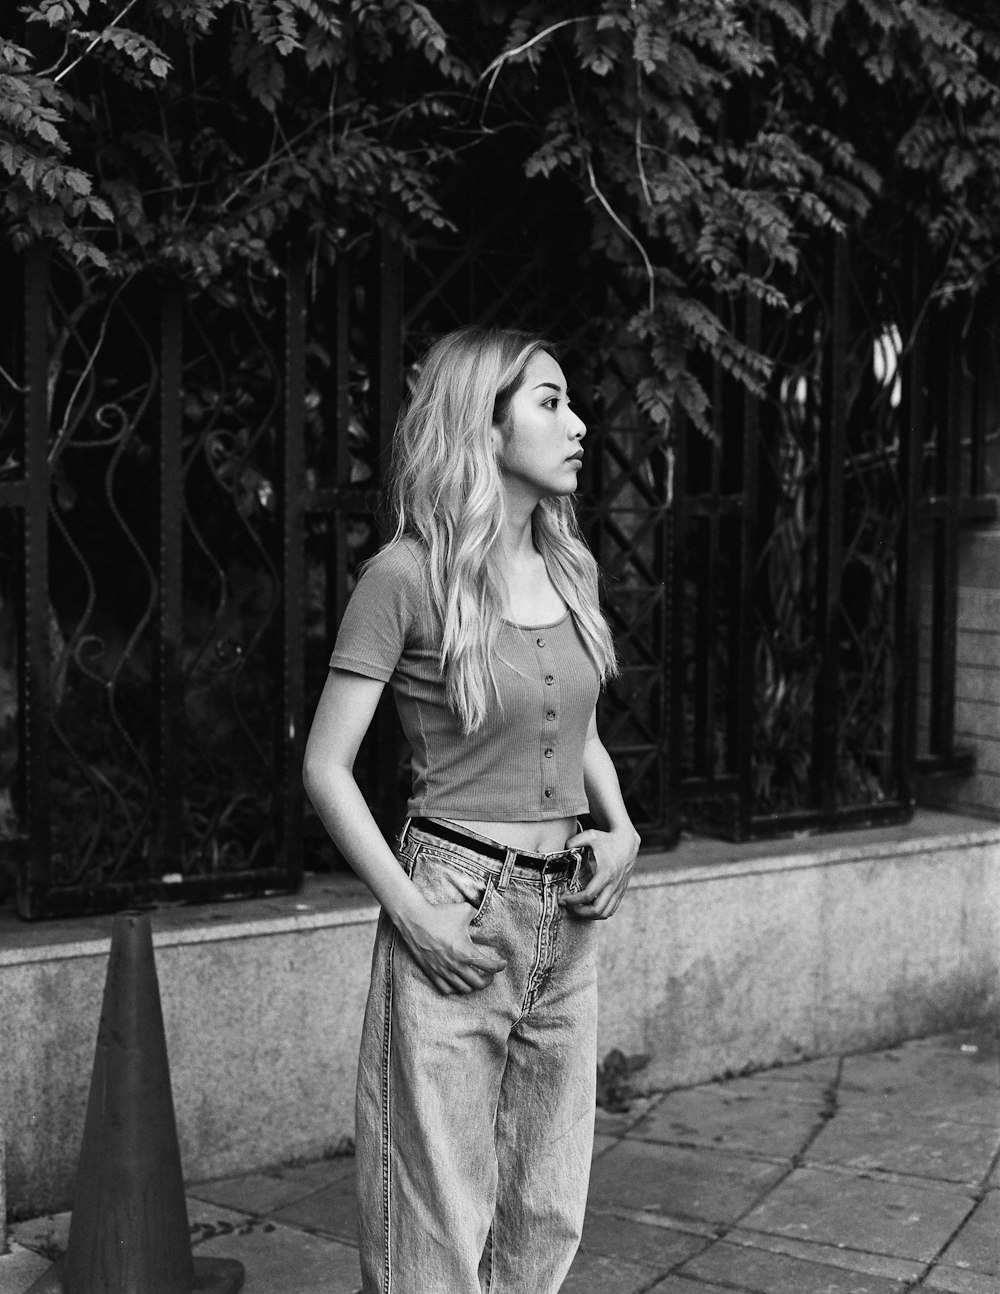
(578, 428)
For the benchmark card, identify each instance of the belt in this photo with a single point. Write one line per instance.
(489, 848)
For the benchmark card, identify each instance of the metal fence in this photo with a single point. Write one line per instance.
(188, 483)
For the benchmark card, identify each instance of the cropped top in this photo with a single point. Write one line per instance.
(525, 762)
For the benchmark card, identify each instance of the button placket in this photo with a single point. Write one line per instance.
(548, 728)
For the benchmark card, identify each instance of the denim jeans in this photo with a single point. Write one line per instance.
(475, 1112)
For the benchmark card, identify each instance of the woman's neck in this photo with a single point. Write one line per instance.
(531, 598)
(517, 536)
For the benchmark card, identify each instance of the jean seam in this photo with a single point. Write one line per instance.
(386, 1120)
(487, 902)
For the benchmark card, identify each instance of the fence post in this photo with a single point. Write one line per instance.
(911, 443)
(168, 847)
(35, 682)
(746, 637)
(833, 424)
(290, 740)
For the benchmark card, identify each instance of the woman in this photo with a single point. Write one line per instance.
(475, 1101)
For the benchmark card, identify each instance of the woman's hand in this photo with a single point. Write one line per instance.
(439, 936)
(612, 856)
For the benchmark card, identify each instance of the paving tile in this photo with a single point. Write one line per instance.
(594, 1274)
(711, 1185)
(223, 1227)
(320, 1172)
(332, 1211)
(707, 1231)
(257, 1193)
(46, 1234)
(954, 1281)
(929, 1076)
(659, 1247)
(977, 1245)
(896, 1141)
(822, 1070)
(615, 1123)
(680, 1285)
(779, 1273)
(779, 1085)
(19, 1267)
(900, 1270)
(208, 1219)
(280, 1260)
(602, 1143)
(715, 1116)
(900, 1219)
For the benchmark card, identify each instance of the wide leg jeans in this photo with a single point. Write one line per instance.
(475, 1112)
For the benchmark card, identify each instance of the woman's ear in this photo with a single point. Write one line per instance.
(497, 435)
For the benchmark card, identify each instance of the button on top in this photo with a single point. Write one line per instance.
(549, 679)
(550, 715)
(548, 752)
(549, 792)
(539, 642)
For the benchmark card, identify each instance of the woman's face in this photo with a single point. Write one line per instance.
(539, 449)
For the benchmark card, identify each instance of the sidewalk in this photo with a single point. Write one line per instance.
(864, 1174)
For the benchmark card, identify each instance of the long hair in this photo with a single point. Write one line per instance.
(446, 491)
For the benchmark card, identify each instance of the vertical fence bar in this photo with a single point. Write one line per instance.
(913, 416)
(955, 411)
(833, 430)
(674, 629)
(168, 841)
(387, 370)
(340, 458)
(291, 738)
(746, 635)
(711, 580)
(35, 682)
(978, 334)
(670, 637)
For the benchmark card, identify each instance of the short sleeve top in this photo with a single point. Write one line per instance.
(525, 762)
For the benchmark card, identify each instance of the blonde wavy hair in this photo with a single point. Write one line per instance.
(446, 491)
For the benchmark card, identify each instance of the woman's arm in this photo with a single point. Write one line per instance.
(614, 844)
(438, 936)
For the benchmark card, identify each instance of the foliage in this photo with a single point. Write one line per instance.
(194, 133)
(717, 141)
(713, 140)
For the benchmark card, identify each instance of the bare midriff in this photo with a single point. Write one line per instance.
(537, 837)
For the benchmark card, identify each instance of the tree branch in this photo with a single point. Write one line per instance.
(96, 41)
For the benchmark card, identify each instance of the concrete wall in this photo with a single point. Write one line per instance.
(722, 957)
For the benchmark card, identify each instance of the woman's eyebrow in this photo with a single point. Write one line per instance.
(551, 385)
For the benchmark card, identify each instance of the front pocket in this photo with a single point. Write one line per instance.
(441, 879)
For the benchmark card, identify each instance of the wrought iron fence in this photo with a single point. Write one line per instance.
(188, 484)
(800, 527)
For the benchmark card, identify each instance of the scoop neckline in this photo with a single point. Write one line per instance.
(514, 624)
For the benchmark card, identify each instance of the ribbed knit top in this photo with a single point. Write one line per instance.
(525, 763)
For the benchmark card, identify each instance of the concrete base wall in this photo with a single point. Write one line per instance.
(722, 957)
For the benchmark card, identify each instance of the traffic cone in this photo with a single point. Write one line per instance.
(129, 1228)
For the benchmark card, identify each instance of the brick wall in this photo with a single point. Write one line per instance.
(977, 680)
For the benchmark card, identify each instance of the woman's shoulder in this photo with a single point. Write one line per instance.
(401, 562)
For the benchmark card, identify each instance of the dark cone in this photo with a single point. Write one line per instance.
(129, 1229)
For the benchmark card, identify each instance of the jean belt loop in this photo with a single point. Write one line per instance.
(507, 870)
(403, 834)
(578, 855)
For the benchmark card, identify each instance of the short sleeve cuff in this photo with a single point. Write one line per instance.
(354, 666)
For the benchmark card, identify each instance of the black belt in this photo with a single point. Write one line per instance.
(488, 848)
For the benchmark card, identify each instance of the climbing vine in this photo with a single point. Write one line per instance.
(710, 139)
